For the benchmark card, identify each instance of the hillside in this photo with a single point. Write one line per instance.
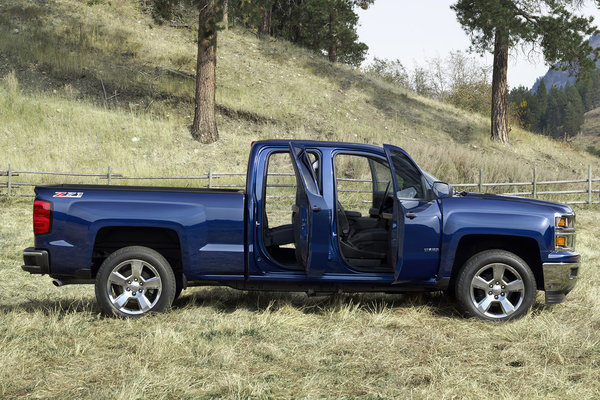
(87, 84)
(589, 138)
(81, 80)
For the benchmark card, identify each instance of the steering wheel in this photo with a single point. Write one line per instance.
(385, 195)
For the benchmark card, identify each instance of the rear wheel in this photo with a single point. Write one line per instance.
(495, 285)
(178, 286)
(135, 281)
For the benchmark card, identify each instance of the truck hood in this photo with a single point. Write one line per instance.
(522, 202)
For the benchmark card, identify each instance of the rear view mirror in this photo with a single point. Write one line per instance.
(442, 189)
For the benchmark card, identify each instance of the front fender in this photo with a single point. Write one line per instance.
(459, 224)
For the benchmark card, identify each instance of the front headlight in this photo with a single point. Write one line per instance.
(564, 232)
(565, 222)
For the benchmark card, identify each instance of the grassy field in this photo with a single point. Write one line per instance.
(85, 85)
(218, 342)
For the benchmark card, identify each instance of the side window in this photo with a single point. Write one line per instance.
(360, 182)
(280, 191)
(314, 161)
(381, 175)
(408, 177)
(307, 171)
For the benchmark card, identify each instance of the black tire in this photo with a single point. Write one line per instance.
(495, 285)
(135, 281)
(178, 286)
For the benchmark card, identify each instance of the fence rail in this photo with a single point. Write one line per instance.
(212, 181)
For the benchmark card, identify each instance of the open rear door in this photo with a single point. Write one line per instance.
(310, 216)
(397, 230)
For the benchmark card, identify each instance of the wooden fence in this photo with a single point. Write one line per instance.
(19, 183)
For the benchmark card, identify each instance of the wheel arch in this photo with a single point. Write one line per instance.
(112, 238)
(526, 248)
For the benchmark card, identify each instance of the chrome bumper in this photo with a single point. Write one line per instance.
(559, 279)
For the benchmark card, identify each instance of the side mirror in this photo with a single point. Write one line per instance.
(442, 189)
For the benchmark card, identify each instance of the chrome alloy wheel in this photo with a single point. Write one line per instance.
(134, 287)
(497, 290)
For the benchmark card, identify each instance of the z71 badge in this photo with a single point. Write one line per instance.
(73, 195)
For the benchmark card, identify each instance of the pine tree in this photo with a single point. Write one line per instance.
(499, 25)
(595, 96)
(266, 15)
(555, 112)
(518, 99)
(584, 85)
(535, 112)
(542, 101)
(330, 26)
(574, 112)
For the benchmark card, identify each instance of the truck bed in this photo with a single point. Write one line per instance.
(207, 225)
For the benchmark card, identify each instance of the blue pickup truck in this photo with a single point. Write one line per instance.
(318, 217)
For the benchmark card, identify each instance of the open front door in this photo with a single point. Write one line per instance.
(310, 216)
(397, 229)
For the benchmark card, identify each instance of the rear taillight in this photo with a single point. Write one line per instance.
(42, 217)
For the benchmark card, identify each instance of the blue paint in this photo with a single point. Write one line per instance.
(220, 231)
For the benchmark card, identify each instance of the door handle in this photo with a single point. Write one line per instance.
(316, 208)
(411, 215)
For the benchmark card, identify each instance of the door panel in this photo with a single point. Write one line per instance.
(422, 236)
(421, 220)
(310, 216)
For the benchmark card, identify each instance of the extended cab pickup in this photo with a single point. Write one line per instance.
(317, 217)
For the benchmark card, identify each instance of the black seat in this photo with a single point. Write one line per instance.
(279, 235)
(361, 237)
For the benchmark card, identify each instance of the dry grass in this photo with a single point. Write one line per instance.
(589, 138)
(218, 342)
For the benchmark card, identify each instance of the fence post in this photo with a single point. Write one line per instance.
(210, 177)
(109, 175)
(8, 183)
(590, 184)
(480, 180)
(534, 182)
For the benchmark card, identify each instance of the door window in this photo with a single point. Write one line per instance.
(408, 177)
(354, 182)
(280, 190)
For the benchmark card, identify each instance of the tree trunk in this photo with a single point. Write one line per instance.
(499, 115)
(226, 14)
(265, 21)
(204, 127)
(333, 51)
(332, 36)
(297, 26)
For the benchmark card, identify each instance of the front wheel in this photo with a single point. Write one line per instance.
(495, 285)
(135, 281)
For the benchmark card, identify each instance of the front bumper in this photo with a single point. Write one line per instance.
(36, 261)
(559, 280)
